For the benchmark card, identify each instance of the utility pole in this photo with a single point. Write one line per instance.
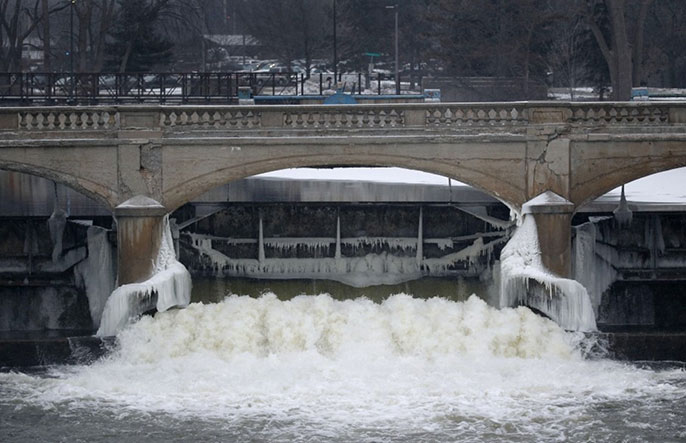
(397, 70)
(71, 38)
(335, 54)
(397, 66)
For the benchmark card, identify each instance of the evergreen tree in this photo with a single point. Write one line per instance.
(136, 44)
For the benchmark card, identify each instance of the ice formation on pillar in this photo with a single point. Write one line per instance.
(169, 286)
(56, 224)
(97, 272)
(593, 261)
(525, 281)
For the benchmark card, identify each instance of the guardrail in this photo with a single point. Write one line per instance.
(215, 87)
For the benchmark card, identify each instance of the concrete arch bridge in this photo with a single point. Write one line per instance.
(145, 161)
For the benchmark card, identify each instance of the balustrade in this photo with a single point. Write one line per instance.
(430, 116)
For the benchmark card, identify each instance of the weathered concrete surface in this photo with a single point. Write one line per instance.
(650, 346)
(554, 236)
(189, 173)
(513, 151)
(27, 351)
(139, 237)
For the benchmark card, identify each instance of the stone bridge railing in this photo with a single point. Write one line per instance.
(427, 116)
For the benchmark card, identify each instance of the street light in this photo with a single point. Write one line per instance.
(335, 54)
(71, 48)
(397, 77)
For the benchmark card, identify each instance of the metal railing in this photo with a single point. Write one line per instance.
(215, 87)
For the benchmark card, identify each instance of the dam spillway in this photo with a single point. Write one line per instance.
(281, 365)
(362, 234)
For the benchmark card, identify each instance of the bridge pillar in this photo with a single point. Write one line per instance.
(553, 215)
(139, 236)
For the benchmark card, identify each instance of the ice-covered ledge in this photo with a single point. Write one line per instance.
(548, 203)
(524, 280)
(168, 286)
(536, 262)
(140, 206)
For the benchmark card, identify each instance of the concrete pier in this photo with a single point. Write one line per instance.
(139, 234)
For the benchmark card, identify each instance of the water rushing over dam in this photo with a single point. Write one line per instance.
(298, 356)
(313, 368)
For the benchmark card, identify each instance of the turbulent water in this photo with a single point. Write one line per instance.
(317, 369)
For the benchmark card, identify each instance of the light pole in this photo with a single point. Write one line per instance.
(71, 47)
(335, 54)
(71, 37)
(397, 76)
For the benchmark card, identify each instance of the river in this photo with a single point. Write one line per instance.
(315, 368)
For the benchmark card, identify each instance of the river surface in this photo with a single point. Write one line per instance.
(315, 368)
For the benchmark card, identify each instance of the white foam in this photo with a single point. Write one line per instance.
(401, 325)
(315, 368)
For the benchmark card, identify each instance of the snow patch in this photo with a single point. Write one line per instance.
(141, 201)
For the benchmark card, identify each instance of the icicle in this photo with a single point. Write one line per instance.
(97, 272)
(260, 241)
(659, 239)
(56, 224)
(593, 261)
(622, 213)
(420, 238)
(30, 245)
(175, 231)
(338, 236)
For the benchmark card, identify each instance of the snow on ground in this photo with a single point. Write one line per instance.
(384, 175)
(664, 187)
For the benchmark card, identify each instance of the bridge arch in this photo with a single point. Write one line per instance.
(490, 183)
(91, 189)
(622, 175)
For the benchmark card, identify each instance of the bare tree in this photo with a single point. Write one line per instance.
(19, 19)
(47, 36)
(95, 19)
(17, 22)
(666, 44)
(624, 56)
(565, 54)
(289, 29)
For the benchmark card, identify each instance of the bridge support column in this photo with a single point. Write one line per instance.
(553, 215)
(139, 236)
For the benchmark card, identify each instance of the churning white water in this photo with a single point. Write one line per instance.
(313, 368)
